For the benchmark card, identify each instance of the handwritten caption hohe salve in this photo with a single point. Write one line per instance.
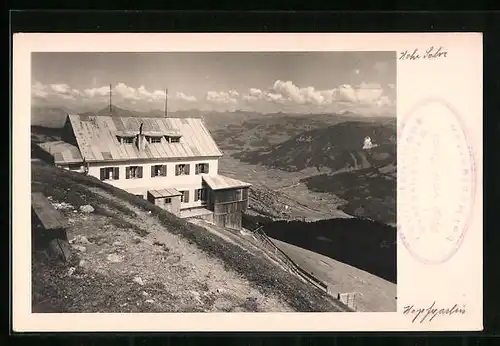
(428, 314)
(431, 53)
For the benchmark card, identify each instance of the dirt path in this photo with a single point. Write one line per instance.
(193, 277)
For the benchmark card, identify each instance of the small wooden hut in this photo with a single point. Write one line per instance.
(167, 198)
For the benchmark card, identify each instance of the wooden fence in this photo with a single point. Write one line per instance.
(346, 298)
(289, 262)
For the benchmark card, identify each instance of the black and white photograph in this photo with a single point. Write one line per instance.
(213, 182)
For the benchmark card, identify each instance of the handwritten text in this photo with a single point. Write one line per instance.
(430, 53)
(428, 314)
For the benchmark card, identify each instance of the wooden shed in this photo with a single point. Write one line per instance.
(47, 222)
(167, 198)
(227, 198)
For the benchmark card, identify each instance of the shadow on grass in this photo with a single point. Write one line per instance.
(366, 245)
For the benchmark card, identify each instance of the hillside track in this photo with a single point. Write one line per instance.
(182, 266)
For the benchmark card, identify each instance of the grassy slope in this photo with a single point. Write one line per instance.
(104, 291)
(367, 245)
(374, 294)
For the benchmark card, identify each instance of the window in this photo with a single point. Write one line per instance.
(201, 168)
(159, 171)
(153, 139)
(239, 194)
(182, 169)
(133, 172)
(168, 200)
(173, 139)
(110, 173)
(200, 195)
(184, 196)
(125, 139)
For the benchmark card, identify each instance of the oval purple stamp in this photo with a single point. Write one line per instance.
(436, 181)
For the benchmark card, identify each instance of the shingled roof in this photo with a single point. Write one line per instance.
(97, 138)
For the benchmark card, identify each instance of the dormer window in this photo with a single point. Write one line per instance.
(125, 139)
(153, 139)
(173, 139)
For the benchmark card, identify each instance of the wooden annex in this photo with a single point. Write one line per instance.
(227, 199)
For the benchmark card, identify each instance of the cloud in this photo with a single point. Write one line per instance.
(183, 97)
(96, 92)
(280, 95)
(60, 88)
(222, 97)
(293, 93)
(62, 91)
(38, 90)
(96, 96)
(289, 94)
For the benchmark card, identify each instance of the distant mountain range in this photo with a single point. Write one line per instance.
(335, 147)
(365, 179)
(55, 116)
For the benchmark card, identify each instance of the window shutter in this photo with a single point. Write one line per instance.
(152, 171)
(206, 167)
(164, 170)
(139, 174)
(103, 173)
(186, 196)
(127, 172)
(116, 173)
(176, 169)
(187, 169)
(197, 169)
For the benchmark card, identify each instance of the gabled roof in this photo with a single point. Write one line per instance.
(220, 182)
(97, 138)
(63, 152)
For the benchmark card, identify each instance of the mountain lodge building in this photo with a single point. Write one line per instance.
(172, 162)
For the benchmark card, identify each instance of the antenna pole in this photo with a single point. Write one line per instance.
(110, 100)
(166, 103)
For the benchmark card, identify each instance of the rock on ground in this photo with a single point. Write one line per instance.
(86, 208)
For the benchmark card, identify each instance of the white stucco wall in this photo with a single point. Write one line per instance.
(189, 182)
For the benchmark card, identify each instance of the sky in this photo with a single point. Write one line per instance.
(265, 82)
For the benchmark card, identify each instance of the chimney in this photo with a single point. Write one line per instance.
(141, 141)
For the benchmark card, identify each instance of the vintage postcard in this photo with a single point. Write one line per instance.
(247, 182)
